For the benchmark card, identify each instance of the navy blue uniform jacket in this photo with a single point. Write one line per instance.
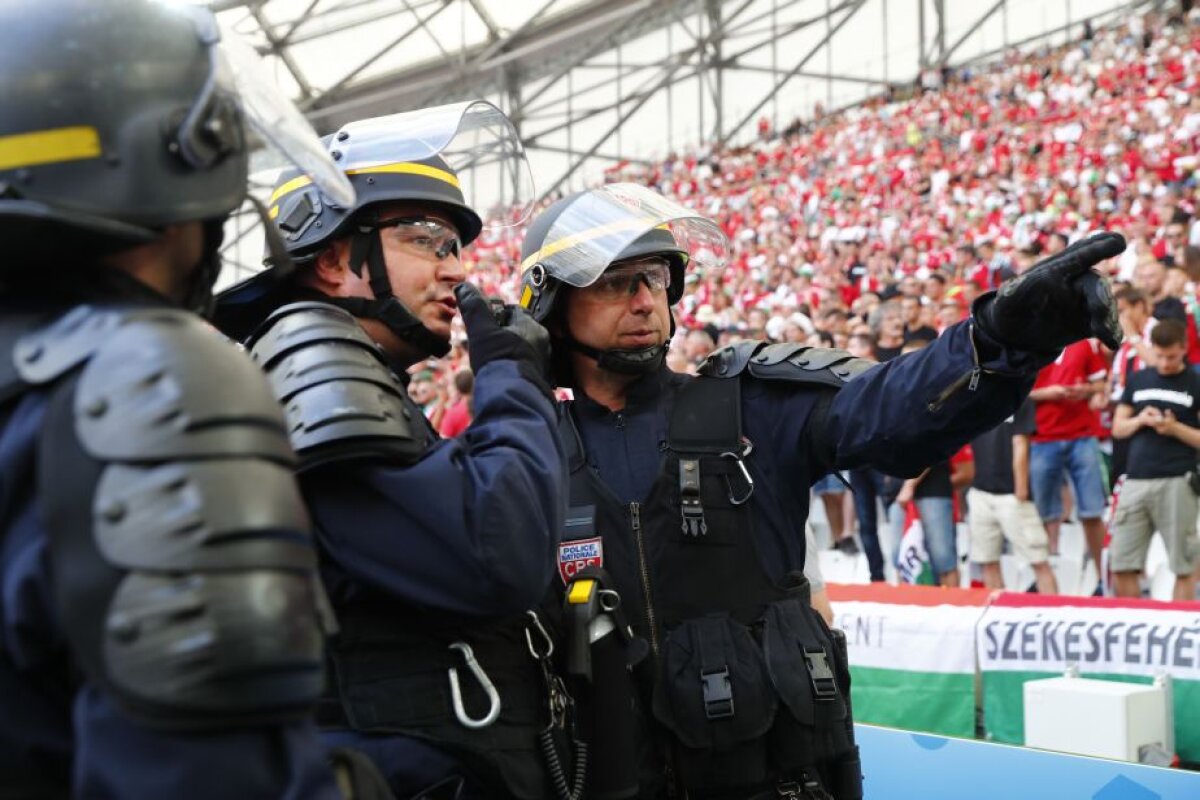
(471, 528)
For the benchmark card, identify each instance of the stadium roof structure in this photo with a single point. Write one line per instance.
(590, 84)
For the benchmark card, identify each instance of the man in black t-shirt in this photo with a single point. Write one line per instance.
(1000, 505)
(914, 330)
(1158, 414)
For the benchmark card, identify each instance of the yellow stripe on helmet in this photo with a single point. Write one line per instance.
(586, 235)
(288, 188)
(49, 147)
(398, 168)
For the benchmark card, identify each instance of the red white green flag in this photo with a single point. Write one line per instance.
(1026, 637)
(912, 654)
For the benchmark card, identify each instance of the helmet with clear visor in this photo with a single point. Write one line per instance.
(455, 161)
(144, 122)
(460, 159)
(577, 239)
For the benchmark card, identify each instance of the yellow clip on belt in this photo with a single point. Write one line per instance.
(581, 591)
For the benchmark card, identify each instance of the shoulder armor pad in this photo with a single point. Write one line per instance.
(185, 573)
(164, 384)
(341, 399)
(818, 366)
(50, 351)
(731, 359)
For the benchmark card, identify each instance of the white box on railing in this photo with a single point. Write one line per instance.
(1106, 719)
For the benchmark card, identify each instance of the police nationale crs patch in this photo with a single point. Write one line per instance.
(575, 555)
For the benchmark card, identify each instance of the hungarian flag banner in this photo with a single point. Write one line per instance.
(912, 562)
(1024, 637)
(912, 654)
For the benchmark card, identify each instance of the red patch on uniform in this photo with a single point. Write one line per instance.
(578, 554)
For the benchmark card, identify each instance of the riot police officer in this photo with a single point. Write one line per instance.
(431, 550)
(160, 625)
(687, 494)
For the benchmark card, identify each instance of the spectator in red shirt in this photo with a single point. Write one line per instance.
(1068, 394)
(458, 415)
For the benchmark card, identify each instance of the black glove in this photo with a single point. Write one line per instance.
(1060, 300)
(504, 332)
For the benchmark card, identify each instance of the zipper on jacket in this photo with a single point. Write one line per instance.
(635, 520)
(968, 379)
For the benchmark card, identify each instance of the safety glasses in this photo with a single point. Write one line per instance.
(426, 238)
(623, 280)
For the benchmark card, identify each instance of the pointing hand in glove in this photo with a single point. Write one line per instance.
(1059, 300)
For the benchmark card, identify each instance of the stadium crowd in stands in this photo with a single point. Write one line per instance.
(877, 226)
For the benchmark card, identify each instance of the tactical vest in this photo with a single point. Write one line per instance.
(747, 689)
(396, 669)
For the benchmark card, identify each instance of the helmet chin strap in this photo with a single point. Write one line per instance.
(385, 307)
(633, 361)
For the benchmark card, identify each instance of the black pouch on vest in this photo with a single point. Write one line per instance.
(715, 695)
(808, 668)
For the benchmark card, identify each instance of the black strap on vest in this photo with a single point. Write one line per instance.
(706, 421)
(568, 431)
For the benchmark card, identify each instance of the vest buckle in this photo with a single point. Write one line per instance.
(824, 686)
(718, 693)
(694, 523)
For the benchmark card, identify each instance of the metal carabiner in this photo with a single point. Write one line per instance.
(745, 475)
(484, 681)
(533, 651)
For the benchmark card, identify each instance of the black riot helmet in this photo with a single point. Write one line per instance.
(576, 239)
(119, 118)
(432, 158)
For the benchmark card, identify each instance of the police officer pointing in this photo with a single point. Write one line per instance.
(431, 550)
(691, 492)
(160, 625)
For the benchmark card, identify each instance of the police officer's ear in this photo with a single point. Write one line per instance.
(330, 270)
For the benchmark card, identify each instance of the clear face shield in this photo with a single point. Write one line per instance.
(238, 80)
(474, 139)
(600, 226)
